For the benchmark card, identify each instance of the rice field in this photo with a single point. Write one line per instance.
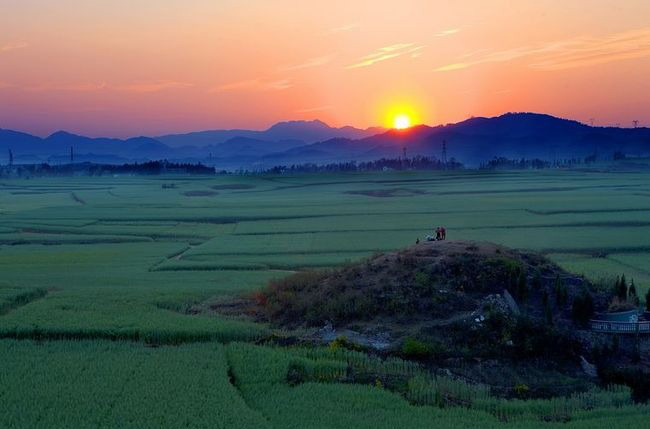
(92, 270)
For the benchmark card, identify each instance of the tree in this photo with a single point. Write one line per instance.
(631, 294)
(560, 292)
(621, 288)
(548, 311)
(583, 308)
(522, 287)
(537, 281)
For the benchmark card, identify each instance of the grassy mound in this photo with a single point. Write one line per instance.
(435, 282)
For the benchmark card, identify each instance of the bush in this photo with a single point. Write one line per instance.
(342, 342)
(422, 280)
(521, 390)
(415, 349)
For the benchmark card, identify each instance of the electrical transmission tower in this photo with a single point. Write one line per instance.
(636, 123)
(11, 158)
(444, 152)
(71, 155)
(591, 121)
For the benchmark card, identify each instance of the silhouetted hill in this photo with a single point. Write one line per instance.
(513, 135)
(476, 140)
(10, 138)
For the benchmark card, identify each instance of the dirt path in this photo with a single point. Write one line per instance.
(76, 198)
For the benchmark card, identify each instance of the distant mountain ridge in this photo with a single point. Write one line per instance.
(512, 135)
(305, 131)
(236, 145)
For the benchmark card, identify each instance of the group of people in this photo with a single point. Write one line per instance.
(441, 234)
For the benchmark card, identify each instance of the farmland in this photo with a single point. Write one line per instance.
(94, 271)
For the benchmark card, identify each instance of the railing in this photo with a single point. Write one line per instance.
(620, 327)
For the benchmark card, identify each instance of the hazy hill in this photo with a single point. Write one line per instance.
(303, 132)
(513, 135)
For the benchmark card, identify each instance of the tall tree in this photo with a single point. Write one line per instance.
(631, 294)
(621, 289)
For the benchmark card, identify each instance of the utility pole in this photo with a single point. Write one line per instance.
(636, 123)
(71, 155)
(404, 158)
(591, 121)
(11, 158)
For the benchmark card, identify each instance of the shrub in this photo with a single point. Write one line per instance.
(422, 280)
(415, 349)
(342, 342)
(521, 390)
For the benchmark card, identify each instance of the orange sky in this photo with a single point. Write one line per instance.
(123, 68)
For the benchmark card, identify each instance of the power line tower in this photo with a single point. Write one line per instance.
(444, 152)
(71, 155)
(11, 158)
(636, 123)
(404, 158)
(591, 121)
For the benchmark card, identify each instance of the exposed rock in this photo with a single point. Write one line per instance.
(588, 368)
(512, 304)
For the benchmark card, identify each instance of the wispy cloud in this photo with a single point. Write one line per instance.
(153, 86)
(448, 32)
(344, 28)
(253, 85)
(75, 87)
(13, 46)
(312, 62)
(453, 66)
(565, 54)
(589, 51)
(386, 53)
(314, 109)
(137, 87)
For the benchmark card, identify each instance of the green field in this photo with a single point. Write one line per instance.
(94, 269)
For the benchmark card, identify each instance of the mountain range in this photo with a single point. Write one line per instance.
(512, 135)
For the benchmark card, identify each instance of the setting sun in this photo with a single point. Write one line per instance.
(401, 114)
(401, 122)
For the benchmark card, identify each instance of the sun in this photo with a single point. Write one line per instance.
(401, 122)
